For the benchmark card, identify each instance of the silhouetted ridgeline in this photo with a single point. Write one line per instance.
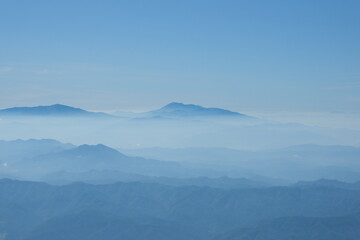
(190, 193)
(31, 210)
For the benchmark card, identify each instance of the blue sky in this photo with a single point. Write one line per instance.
(136, 55)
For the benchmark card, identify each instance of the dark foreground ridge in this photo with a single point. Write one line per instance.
(38, 211)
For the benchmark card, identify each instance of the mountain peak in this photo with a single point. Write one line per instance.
(60, 106)
(174, 104)
(177, 106)
(50, 110)
(177, 109)
(98, 150)
(97, 147)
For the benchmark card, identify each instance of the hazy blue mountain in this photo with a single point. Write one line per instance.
(56, 110)
(19, 149)
(93, 177)
(92, 225)
(175, 109)
(158, 209)
(300, 228)
(14, 152)
(302, 162)
(112, 176)
(97, 157)
(194, 154)
(151, 130)
(308, 152)
(329, 183)
(16, 220)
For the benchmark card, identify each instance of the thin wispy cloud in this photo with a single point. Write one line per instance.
(344, 86)
(6, 69)
(42, 71)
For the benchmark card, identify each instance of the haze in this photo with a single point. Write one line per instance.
(246, 56)
(179, 120)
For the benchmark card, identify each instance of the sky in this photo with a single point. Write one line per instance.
(247, 56)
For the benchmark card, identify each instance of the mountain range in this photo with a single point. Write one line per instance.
(133, 197)
(60, 163)
(56, 110)
(300, 162)
(92, 157)
(181, 110)
(53, 161)
(38, 211)
(171, 110)
(300, 228)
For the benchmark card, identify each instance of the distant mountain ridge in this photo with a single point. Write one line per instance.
(171, 110)
(329, 183)
(96, 157)
(176, 109)
(19, 149)
(56, 110)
